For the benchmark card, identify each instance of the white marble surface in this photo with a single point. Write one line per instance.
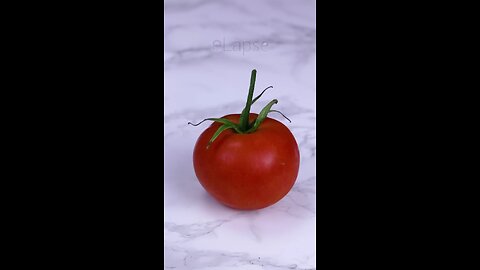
(210, 49)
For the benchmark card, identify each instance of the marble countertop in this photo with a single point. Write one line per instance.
(211, 46)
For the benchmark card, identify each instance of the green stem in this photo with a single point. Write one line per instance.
(244, 123)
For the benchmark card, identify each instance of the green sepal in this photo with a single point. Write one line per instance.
(220, 120)
(217, 133)
(281, 114)
(255, 99)
(262, 115)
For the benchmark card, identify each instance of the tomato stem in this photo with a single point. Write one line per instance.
(244, 125)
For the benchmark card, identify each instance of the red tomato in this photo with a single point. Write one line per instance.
(247, 171)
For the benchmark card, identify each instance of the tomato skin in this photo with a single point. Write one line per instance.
(247, 171)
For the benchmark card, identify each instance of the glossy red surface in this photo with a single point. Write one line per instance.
(247, 171)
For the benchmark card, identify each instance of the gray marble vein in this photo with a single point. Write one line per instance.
(201, 259)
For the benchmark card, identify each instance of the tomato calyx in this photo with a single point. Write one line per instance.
(244, 126)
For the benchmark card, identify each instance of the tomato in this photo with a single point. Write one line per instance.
(247, 171)
(247, 161)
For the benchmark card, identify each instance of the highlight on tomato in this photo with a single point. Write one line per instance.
(247, 161)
